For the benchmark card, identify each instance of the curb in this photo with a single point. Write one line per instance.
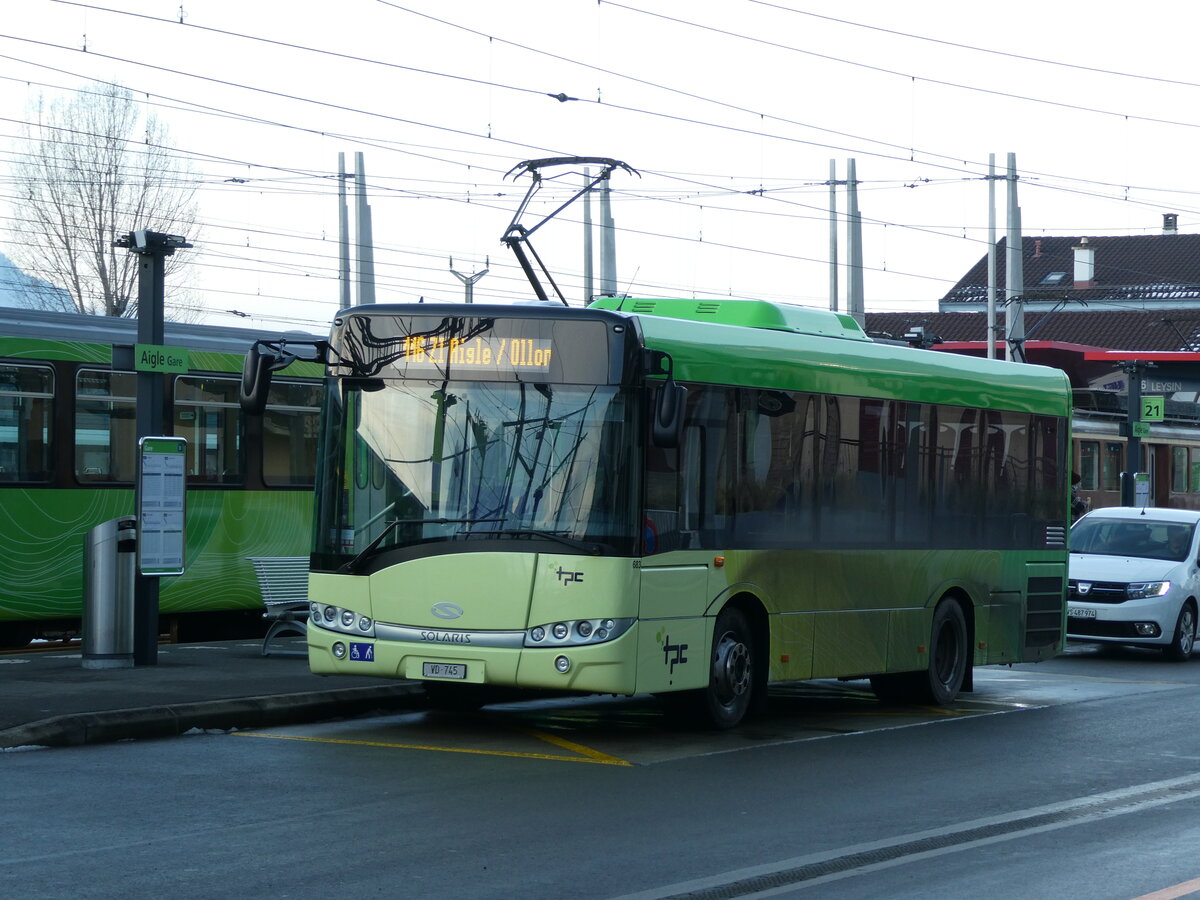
(222, 715)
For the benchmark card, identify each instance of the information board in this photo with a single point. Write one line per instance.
(161, 495)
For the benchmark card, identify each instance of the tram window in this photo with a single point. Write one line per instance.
(290, 424)
(208, 415)
(26, 411)
(105, 426)
(1111, 470)
(1089, 458)
(1179, 470)
(1194, 470)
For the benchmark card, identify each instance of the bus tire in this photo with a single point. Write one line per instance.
(948, 655)
(730, 690)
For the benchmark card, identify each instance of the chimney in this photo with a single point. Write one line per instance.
(1170, 223)
(1085, 264)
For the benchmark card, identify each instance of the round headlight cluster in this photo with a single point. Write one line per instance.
(577, 632)
(335, 618)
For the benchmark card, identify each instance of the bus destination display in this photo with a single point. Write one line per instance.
(494, 354)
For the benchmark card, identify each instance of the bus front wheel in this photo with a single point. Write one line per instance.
(730, 688)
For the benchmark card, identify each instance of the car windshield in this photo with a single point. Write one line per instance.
(1141, 537)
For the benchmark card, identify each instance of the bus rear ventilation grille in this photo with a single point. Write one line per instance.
(1044, 604)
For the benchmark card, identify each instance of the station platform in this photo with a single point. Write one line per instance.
(47, 698)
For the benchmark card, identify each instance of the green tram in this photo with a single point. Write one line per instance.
(68, 461)
(688, 498)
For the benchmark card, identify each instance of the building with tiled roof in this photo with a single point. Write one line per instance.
(1152, 271)
(1112, 329)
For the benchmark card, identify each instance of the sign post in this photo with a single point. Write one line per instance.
(152, 248)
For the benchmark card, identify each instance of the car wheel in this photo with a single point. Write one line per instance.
(1184, 639)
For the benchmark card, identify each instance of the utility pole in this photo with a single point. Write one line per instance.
(991, 263)
(153, 248)
(343, 236)
(1133, 415)
(588, 286)
(468, 280)
(366, 249)
(608, 245)
(833, 242)
(855, 302)
(1014, 271)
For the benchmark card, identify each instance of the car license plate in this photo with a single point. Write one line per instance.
(443, 670)
(1080, 612)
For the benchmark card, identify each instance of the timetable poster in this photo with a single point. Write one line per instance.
(162, 489)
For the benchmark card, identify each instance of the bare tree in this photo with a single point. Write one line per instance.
(91, 170)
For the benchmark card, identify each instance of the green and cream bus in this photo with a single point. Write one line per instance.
(689, 498)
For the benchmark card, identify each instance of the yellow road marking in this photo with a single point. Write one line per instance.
(594, 755)
(587, 755)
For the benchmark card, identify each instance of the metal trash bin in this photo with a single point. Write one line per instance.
(109, 561)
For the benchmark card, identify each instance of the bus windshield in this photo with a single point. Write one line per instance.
(425, 462)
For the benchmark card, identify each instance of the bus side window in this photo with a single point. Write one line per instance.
(660, 530)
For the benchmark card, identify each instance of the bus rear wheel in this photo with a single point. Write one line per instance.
(949, 656)
(730, 689)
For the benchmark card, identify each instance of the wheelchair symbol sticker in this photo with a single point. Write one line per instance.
(362, 652)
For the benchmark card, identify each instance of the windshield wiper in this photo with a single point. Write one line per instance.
(587, 546)
(350, 567)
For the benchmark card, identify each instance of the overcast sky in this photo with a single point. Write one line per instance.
(730, 110)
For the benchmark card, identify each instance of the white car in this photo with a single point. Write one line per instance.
(1134, 578)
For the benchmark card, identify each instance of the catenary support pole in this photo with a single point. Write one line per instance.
(833, 242)
(991, 263)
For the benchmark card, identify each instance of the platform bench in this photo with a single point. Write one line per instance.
(283, 582)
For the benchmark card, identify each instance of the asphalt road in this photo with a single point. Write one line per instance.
(1075, 778)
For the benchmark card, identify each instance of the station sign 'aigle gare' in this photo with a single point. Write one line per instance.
(157, 358)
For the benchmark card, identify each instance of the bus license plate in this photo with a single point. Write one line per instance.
(1080, 612)
(443, 670)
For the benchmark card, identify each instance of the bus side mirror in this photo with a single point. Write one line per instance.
(666, 426)
(668, 415)
(256, 381)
